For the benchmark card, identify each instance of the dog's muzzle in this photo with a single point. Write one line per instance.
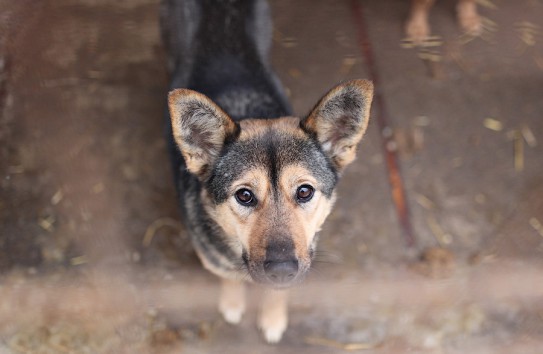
(280, 265)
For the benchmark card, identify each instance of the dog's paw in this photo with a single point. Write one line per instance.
(232, 301)
(273, 321)
(417, 30)
(273, 318)
(232, 313)
(273, 327)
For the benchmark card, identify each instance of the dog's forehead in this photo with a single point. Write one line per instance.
(252, 128)
(270, 145)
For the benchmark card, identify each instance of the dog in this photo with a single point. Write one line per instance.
(418, 30)
(255, 183)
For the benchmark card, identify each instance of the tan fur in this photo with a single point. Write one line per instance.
(232, 300)
(254, 127)
(306, 220)
(238, 221)
(418, 29)
(468, 18)
(200, 129)
(254, 228)
(273, 318)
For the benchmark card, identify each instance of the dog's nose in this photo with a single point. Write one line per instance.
(281, 272)
(280, 264)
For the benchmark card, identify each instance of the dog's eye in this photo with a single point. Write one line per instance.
(245, 197)
(305, 193)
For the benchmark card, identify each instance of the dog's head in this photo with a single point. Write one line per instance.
(269, 183)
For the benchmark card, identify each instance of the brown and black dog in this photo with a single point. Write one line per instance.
(255, 183)
(417, 27)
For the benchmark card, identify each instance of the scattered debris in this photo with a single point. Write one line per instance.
(465, 38)
(97, 188)
(53, 254)
(347, 65)
(481, 257)
(527, 32)
(424, 201)
(79, 260)
(487, 3)
(435, 262)
(289, 42)
(519, 151)
(493, 124)
(157, 224)
(441, 236)
(57, 197)
(489, 30)
(47, 223)
(528, 135)
(432, 59)
(164, 337)
(204, 330)
(430, 55)
(325, 342)
(534, 222)
(421, 121)
(480, 198)
(409, 141)
(295, 73)
(428, 51)
(489, 25)
(431, 41)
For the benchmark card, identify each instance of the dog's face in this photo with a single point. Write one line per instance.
(269, 183)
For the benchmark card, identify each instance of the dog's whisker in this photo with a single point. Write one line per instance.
(324, 257)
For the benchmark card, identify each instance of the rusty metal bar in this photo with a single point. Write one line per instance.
(389, 145)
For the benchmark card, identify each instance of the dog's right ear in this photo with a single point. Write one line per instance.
(340, 120)
(200, 128)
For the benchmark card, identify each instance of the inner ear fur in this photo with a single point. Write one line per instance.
(339, 120)
(200, 128)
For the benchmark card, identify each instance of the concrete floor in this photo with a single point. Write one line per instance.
(86, 183)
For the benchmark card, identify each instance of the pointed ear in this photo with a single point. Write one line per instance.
(340, 120)
(200, 128)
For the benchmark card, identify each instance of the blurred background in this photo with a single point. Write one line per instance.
(93, 258)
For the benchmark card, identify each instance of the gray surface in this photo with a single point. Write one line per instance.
(84, 92)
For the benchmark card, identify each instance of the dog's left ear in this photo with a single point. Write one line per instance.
(340, 120)
(200, 128)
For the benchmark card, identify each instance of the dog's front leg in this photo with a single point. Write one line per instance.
(232, 300)
(417, 27)
(469, 19)
(273, 318)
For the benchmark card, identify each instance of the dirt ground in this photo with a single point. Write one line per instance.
(93, 258)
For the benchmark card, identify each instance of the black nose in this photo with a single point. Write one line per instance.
(281, 272)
